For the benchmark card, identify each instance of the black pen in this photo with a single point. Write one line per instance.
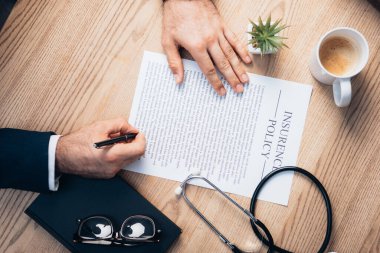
(127, 137)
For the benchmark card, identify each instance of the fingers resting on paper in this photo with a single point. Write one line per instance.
(198, 27)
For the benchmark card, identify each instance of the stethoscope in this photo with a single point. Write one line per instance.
(264, 236)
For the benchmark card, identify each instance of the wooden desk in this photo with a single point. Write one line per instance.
(64, 64)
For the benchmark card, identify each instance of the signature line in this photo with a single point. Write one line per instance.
(278, 101)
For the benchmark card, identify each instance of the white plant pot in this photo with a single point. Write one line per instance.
(254, 50)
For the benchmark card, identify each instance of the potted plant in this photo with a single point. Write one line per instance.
(263, 37)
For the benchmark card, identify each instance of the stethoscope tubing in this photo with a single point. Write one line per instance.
(224, 239)
(256, 222)
(320, 188)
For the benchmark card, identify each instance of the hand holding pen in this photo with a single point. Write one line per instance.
(75, 152)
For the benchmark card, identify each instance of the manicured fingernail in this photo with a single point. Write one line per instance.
(222, 91)
(244, 78)
(239, 88)
(248, 59)
(176, 77)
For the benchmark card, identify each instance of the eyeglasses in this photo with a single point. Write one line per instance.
(135, 230)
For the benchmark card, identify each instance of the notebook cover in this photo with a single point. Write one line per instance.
(57, 212)
(6, 7)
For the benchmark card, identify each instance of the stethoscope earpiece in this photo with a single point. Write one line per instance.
(178, 191)
(193, 173)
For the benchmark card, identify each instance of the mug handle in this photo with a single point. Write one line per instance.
(342, 91)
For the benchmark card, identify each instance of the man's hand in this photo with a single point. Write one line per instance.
(76, 154)
(198, 27)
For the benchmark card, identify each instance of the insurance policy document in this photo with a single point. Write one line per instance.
(234, 140)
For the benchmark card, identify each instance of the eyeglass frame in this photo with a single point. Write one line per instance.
(117, 237)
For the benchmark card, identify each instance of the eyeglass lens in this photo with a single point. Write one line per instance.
(138, 227)
(96, 228)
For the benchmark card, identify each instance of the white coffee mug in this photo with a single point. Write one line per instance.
(341, 83)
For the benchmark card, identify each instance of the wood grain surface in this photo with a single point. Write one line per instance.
(64, 64)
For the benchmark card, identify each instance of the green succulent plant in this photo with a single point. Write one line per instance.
(265, 36)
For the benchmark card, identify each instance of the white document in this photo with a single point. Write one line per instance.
(234, 140)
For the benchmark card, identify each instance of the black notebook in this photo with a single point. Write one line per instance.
(78, 198)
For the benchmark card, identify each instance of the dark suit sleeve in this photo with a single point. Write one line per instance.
(24, 159)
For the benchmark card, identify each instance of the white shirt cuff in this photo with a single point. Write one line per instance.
(53, 181)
